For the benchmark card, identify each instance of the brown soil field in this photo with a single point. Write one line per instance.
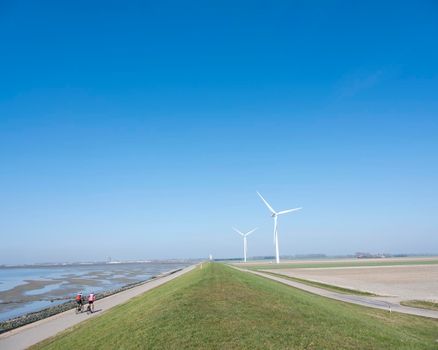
(403, 282)
(343, 260)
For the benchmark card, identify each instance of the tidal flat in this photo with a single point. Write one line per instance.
(29, 289)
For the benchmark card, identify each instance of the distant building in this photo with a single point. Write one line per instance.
(369, 255)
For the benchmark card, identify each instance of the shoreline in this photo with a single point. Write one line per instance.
(31, 317)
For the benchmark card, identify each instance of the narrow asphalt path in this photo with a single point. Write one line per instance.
(23, 337)
(374, 302)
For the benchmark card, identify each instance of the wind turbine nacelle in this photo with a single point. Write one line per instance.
(273, 215)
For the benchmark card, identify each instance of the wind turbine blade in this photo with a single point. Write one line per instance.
(267, 204)
(240, 233)
(288, 211)
(248, 233)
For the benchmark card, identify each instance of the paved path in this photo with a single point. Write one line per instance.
(383, 303)
(23, 337)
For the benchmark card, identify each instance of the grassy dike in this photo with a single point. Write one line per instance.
(218, 307)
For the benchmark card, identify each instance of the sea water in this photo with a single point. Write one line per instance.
(28, 289)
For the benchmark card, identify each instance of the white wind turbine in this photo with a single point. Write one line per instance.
(275, 215)
(244, 235)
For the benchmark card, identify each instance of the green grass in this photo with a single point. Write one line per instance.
(326, 286)
(338, 264)
(219, 307)
(423, 304)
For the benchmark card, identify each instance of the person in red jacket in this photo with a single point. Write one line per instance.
(79, 301)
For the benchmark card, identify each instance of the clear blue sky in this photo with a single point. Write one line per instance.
(144, 130)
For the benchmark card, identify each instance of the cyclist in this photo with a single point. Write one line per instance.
(79, 301)
(91, 300)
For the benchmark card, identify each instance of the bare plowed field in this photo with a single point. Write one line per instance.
(404, 282)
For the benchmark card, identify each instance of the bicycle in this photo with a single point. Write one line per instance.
(79, 308)
(89, 309)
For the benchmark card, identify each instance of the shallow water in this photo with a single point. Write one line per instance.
(32, 288)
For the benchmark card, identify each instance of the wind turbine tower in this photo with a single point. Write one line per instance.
(275, 215)
(244, 235)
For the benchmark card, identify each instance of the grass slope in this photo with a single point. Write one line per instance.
(423, 304)
(218, 307)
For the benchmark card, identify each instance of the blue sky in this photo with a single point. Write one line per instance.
(143, 130)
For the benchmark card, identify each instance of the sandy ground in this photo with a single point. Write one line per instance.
(23, 337)
(404, 282)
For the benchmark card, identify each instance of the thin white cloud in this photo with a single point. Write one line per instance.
(353, 84)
